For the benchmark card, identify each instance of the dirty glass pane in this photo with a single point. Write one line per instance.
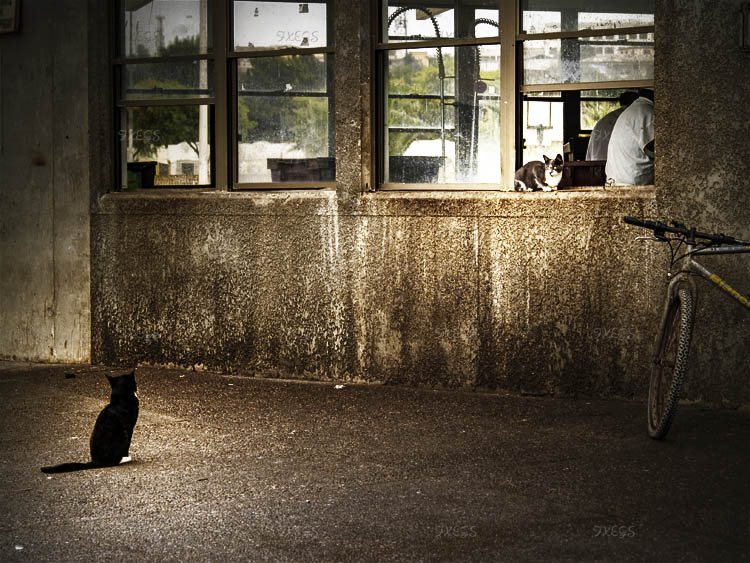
(552, 16)
(183, 79)
(277, 25)
(165, 146)
(284, 119)
(164, 27)
(442, 115)
(592, 59)
(417, 21)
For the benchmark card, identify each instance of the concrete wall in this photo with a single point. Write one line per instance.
(44, 186)
(449, 290)
(526, 292)
(703, 172)
(539, 293)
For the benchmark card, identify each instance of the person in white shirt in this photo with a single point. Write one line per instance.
(602, 131)
(630, 155)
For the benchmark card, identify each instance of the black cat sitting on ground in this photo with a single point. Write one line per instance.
(110, 440)
(537, 175)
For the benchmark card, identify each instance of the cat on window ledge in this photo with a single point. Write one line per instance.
(537, 175)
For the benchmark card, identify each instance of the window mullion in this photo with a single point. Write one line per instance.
(508, 89)
(221, 113)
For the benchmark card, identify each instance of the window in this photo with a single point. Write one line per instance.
(439, 104)
(575, 64)
(225, 94)
(283, 112)
(165, 93)
(459, 106)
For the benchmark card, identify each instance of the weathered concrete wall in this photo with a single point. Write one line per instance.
(527, 292)
(44, 186)
(493, 290)
(703, 173)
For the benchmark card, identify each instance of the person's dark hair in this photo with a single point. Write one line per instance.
(628, 97)
(646, 93)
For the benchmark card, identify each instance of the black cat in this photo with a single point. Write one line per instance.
(110, 440)
(537, 175)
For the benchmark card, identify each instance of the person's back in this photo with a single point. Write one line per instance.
(600, 135)
(630, 160)
(602, 131)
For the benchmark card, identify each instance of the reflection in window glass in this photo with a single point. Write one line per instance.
(544, 16)
(593, 59)
(160, 143)
(188, 79)
(164, 27)
(284, 128)
(443, 115)
(277, 25)
(415, 21)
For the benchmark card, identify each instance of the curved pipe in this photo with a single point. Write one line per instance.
(428, 13)
(474, 25)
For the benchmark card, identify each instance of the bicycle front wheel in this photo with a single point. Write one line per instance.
(670, 363)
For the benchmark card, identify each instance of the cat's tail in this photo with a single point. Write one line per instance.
(65, 467)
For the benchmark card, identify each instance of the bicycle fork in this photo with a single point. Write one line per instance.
(683, 279)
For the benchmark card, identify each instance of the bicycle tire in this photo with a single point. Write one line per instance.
(670, 363)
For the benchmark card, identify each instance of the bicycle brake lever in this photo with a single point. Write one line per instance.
(651, 238)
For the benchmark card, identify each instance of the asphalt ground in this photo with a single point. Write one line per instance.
(229, 468)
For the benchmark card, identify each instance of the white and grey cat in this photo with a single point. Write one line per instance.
(113, 431)
(537, 175)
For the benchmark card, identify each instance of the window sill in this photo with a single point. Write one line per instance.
(316, 202)
(467, 192)
(468, 203)
(207, 192)
(213, 202)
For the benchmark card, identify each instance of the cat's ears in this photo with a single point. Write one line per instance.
(558, 158)
(113, 378)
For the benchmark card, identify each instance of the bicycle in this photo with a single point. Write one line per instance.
(672, 344)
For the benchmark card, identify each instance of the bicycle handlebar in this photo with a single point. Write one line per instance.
(660, 228)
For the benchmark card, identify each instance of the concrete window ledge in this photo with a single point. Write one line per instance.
(211, 202)
(504, 203)
(621, 192)
(312, 202)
